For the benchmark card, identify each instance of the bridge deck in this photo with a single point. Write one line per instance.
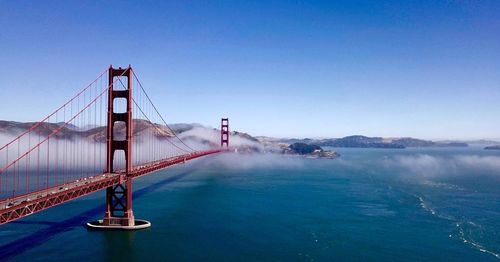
(25, 205)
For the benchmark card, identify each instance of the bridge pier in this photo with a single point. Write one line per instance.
(119, 205)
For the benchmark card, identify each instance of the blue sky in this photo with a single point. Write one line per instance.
(427, 69)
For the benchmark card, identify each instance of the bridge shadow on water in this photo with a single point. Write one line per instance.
(36, 238)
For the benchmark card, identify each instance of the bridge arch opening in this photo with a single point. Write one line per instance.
(119, 159)
(119, 105)
(119, 131)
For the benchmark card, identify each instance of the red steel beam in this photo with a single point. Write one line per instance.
(28, 207)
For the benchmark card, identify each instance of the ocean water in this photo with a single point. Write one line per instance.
(369, 204)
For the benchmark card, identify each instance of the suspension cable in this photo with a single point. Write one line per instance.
(161, 117)
(156, 127)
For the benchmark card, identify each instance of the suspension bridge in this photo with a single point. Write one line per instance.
(103, 138)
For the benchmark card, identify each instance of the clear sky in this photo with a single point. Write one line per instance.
(428, 69)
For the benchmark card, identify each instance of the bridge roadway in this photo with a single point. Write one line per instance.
(24, 205)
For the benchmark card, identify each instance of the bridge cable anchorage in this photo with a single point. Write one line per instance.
(61, 157)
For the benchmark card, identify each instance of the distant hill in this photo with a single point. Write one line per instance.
(497, 147)
(412, 142)
(358, 141)
(15, 128)
(245, 136)
(97, 134)
(480, 142)
(140, 128)
(199, 134)
(180, 128)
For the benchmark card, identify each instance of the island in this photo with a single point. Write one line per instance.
(497, 147)
(309, 150)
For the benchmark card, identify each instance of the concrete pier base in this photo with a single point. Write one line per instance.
(99, 225)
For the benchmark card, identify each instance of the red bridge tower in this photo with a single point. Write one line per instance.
(119, 197)
(119, 212)
(224, 132)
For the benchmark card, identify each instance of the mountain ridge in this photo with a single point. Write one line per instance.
(98, 134)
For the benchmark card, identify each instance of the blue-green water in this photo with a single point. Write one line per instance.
(369, 204)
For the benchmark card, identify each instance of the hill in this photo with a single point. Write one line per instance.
(197, 134)
(358, 141)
